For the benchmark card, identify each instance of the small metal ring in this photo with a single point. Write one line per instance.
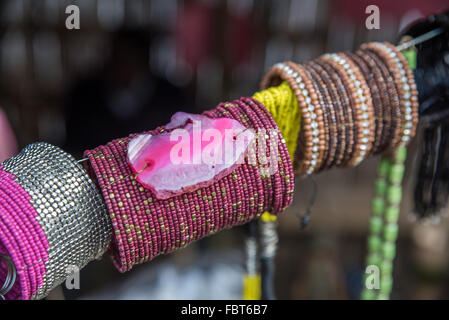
(10, 276)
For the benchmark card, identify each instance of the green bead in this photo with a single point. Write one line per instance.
(373, 259)
(376, 224)
(368, 294)
(396, 173)
(389, 250)
(386, 267)
(391, 214)
(384, 166)
(400, 154)
(374, 243)
(386, 284)
(391, 232)
(410, 56)
(394, 194)
(378, 206)
(381, 186)
(383, 296)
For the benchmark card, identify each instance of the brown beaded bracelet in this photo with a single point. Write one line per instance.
(353, 105)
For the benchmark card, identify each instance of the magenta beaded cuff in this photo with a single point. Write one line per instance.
(145, 226)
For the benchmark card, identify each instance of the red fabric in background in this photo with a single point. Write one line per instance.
(194, 32)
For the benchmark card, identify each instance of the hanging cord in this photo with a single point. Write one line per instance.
(269, 242)
(251, 279)
(305, 218)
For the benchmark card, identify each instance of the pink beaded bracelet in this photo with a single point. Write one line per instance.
(145, 226)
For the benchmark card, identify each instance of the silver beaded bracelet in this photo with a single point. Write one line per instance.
(70, 211)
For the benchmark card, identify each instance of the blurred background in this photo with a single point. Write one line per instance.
(133, 63)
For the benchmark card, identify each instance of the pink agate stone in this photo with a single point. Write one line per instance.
(193, 153)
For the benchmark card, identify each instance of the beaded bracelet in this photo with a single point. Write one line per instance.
(52, 219)
(353, 80)
(344, 86)
(346, 111)
(310, 144)
(145, 227)
(404, 83)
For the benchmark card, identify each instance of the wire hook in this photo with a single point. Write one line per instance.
(10, 276)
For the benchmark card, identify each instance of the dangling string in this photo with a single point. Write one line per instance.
(251, 278)
(269, 242)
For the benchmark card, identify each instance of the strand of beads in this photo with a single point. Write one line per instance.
(390, 230)
(374, 250)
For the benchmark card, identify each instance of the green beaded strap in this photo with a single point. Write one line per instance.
(374, 255)
(390, 231)
(384, 222)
